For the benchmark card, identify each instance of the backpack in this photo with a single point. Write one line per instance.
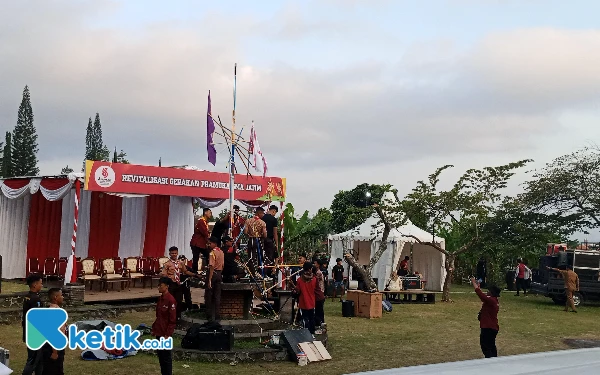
(387, 306)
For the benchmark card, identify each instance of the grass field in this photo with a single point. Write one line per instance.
(409, 335)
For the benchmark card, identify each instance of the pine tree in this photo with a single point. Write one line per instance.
(25, 147)
(115, 156)
(101, 151)
(89, 142)
(7, 169)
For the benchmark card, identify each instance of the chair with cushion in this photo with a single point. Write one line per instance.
(133, 271)
(89, 272)
(109, 274)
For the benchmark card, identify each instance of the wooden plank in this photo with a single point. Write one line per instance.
(307, 349)
(322, 350)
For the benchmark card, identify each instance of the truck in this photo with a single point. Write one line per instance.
(585, 263)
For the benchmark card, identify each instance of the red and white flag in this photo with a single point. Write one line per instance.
(71, 273)
(257, 159)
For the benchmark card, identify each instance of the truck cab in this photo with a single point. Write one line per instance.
(585, 263)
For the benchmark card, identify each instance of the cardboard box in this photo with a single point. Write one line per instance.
(370, 305)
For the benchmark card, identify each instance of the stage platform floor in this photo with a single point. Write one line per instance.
(136, 294)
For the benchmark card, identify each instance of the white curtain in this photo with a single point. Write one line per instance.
(66, 226)
(14, 222)
(181, 225)
(209, 203)
(83, 226)
(133, 222)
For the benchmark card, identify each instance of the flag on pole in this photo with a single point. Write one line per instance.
(257, 159)
(71, 273)
(210, 131)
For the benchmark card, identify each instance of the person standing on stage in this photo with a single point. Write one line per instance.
(199, 240)
(214, 282)
(220, 228)
(272, 240)
(185, 284)
(173, 269)
(256, 230)
(231, 270)
(238, 224)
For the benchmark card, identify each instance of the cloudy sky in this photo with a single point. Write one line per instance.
(341, 91)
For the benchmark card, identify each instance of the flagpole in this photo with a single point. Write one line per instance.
(232, 164)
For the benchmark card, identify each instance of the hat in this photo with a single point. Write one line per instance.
(227, 238)
(214, 240)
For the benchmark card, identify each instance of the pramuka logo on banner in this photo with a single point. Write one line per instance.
(105, 177)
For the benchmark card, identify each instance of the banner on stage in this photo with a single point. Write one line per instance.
(140, 179)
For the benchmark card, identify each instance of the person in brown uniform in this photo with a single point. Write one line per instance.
(174, 269)
(216, 261)
(256, 230)
(571, 285)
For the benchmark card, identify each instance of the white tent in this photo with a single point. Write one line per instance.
(364, 240)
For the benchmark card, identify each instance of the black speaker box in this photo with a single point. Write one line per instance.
(209, 339)
(348, 309)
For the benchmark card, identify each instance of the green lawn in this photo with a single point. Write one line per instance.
(9, 287)
(410, 335)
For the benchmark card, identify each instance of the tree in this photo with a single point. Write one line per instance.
(25, 147)
(306, 234)
(567, 189)
(7, 164)
(351, 208)
(66, 170)
(95, 149)
(121, 157)
(115, 157)
(469, 204)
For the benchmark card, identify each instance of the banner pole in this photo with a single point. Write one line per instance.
(232, 164)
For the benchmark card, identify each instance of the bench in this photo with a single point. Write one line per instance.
(422, 296)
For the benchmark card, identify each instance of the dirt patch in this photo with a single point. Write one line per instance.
(582, 343)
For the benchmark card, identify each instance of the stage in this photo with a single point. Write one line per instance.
(135, 295)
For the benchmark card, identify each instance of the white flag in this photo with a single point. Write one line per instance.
(257, 160)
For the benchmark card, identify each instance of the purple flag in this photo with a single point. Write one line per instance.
(210, 130)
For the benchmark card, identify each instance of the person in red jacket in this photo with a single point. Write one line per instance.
(306, 287)
(199, 241)
(164, 325)
(488, 318)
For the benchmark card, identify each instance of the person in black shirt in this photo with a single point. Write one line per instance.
(35, 358)
(337, 272)
(231, 269)
(185, 285)
(272, 240)
(220, 228)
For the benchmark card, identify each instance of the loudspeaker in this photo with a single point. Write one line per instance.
(208, 337)
(292, 338)
(564, 258)
(348, 309)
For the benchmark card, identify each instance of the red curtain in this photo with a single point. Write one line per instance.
(105, 225)
(54, 183)
(16, 183)
(43, 237)
(157, 223)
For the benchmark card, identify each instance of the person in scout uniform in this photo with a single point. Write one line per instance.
(216, 262)
(173, 269)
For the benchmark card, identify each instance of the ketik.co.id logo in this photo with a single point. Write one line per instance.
(44, 326)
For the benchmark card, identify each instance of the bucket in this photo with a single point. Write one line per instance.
(302, 359)
(275, 339)
(352, 285)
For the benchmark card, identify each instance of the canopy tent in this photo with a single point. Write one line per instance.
(364, 242)
(37, 217)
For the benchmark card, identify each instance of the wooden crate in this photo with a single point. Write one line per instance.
(353, 295)
(369, 305)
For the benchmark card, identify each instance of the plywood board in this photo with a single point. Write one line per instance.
(315, 351)
(322, 350)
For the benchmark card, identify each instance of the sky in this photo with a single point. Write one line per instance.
(341, 91)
